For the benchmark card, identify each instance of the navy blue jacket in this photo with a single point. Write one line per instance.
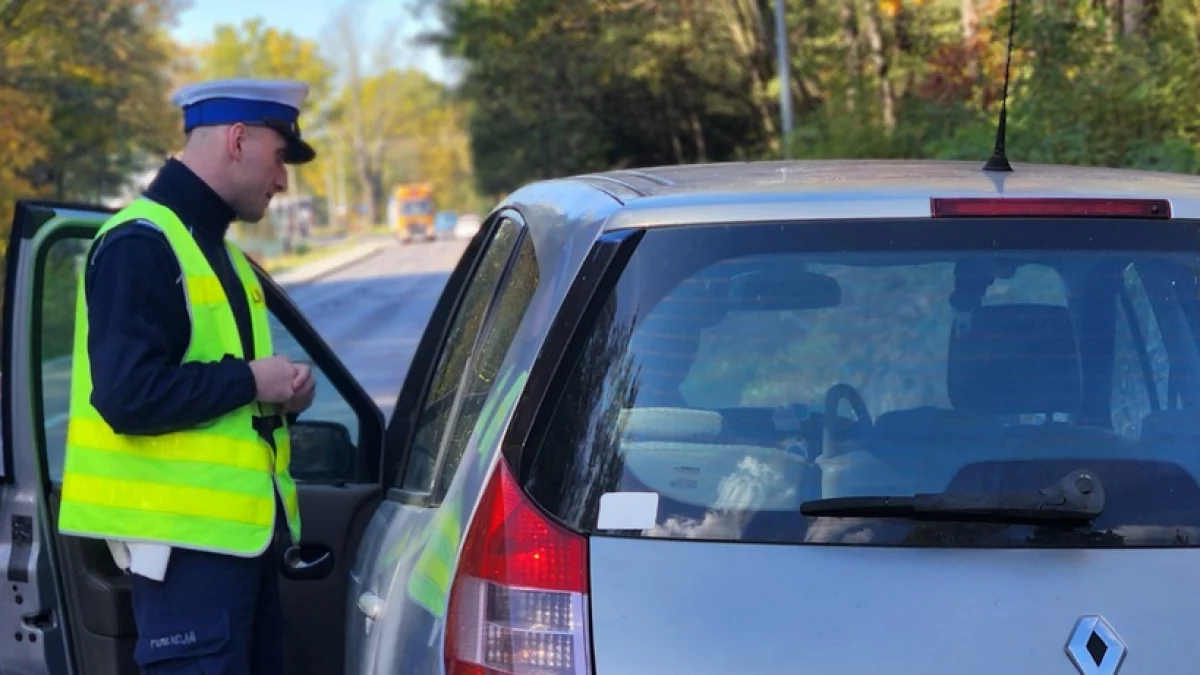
(139, 324)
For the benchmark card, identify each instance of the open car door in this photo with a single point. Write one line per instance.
(66, 607)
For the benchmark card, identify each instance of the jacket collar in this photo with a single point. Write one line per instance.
(199, 207)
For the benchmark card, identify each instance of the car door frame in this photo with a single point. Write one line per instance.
(410, 515)
(41, 610)
(403, 426)
(325, 650)
(28, 546)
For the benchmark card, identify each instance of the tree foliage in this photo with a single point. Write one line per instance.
(83, 88)
(558, 87)
(255, 49)
(83, 98)
(401, 126)
(554, 87)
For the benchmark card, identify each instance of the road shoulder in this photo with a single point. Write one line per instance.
(332, 264)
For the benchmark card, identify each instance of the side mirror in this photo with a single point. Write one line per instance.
(321, 451)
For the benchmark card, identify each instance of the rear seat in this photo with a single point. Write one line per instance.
(1012, 360)
(928, 445)
(1173, 436)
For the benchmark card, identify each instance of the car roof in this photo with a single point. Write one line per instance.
(836, 189)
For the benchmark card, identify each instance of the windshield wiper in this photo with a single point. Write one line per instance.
(1079, 496)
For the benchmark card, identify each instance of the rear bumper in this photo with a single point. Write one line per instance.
(417, 231)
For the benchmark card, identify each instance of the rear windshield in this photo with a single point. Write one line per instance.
(734, 373)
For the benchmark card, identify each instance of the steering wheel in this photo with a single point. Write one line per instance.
(833, 397)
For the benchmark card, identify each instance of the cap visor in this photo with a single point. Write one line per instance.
(298, 151)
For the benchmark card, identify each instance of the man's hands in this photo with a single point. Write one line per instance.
(278, 380)
(304, 387)
(273, 379)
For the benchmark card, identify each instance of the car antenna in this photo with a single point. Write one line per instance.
(999, 161)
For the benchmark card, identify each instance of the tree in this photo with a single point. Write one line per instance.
(95, 68)
(563, 87)
(557, 87)
(83, 97)
(254, 49)
(361, 110)
(398, 124)
(444, 158)
(404, 127)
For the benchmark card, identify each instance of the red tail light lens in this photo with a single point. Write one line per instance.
(519, 600)
(1066, 207)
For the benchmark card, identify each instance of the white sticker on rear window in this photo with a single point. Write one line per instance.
(627, 511)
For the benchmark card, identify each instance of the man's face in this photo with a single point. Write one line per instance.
(258, 170)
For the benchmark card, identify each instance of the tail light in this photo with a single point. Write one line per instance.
(519, 600)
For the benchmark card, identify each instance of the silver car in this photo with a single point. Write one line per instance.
(806, 417)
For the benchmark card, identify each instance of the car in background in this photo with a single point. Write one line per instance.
(443, 224)
(836, 417)
(467, 226)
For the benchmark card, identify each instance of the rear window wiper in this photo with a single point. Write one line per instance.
(1079, 496)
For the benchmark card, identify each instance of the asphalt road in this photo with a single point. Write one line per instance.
(371, 315)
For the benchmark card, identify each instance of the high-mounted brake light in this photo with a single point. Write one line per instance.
(519, 600)
(1060, 207)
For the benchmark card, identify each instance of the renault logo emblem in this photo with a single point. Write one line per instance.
(1094, 647)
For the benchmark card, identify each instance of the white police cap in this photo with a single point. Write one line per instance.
(271, 103)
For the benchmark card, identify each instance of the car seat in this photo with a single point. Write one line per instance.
(1004, 361)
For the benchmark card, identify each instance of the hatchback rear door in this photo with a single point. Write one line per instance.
(730, 375)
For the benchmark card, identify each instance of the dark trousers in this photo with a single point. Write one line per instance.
(211, 615)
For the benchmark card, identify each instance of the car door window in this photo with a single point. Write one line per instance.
(63, 263)
(458, 344)
(327, 438)
(328, 404)
(480, 377)
(62, 266)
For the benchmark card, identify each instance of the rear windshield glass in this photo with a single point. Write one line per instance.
(734, 373)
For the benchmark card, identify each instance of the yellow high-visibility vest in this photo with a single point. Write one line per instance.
(211, 488)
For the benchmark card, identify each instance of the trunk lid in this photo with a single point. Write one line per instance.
(703, 608)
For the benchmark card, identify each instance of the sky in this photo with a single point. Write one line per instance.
(196, 23)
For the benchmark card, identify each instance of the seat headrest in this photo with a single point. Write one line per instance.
(1015, 359)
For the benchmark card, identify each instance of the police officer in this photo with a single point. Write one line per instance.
(177, 449)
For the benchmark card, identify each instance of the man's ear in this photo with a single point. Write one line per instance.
(235, 141)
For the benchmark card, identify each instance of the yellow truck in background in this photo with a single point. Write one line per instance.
(412, 211)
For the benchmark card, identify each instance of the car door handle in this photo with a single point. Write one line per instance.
(307, 562)
(371, 605)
